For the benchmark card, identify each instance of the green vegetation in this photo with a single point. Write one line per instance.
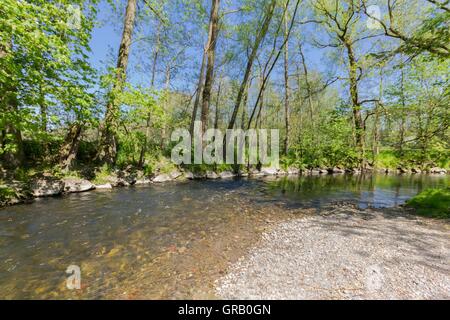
(378, 98)
(433, 203)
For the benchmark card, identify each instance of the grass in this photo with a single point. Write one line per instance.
(434, 203)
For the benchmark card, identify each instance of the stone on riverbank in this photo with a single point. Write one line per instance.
(162, 178)
(77, 185)
(212, 175)
(438, 171)
(227, 175)
(106, 186)
(47, 187)
(175, 174)
(269, 171)
(336, 170)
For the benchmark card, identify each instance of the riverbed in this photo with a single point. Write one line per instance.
(170, 241)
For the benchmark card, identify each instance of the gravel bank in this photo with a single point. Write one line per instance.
(346, 254)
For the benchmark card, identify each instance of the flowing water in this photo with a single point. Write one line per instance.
(165, 241)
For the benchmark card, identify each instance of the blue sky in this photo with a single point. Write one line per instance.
(106, 39)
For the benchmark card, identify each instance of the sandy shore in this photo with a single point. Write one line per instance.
(345, 253)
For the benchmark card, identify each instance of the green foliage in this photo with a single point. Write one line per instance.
(326, 145)
(102, 175)
(433, 203)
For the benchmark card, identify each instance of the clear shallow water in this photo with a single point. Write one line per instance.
(153, 241)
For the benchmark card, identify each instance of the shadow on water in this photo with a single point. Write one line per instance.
(164, 241)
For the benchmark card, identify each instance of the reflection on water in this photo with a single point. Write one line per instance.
(163, 241)
(364, 190)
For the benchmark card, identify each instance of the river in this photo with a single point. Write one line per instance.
(166, 241)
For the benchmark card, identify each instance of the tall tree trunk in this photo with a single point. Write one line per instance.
(108, 143)
(201, 81)
(259, 38)
(286, 82)
(12, 136)
(245, 106)
(211, 53)
(262, 89)
(376, 125)
(69, 149)
(156, 54)
(281, 49)
(308, 85)
(402, 113)
(10, 117)
(356, 107)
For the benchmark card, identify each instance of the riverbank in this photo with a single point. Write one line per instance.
(13, 191)
(346, 253)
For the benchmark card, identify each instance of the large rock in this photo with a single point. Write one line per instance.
(175, 174)
(77, 185)
(212, 175)
(269, 171)
(416, 171)
(228, 175)
(314, 172)
(438, 171)
(162, 178)
(336, 170)
(47, 187)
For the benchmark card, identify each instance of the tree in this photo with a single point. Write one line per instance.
(108, 143)
(268, 14)
(43, 46)
(213, 31)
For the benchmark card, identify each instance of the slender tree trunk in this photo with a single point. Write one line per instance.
(286, 82)
(108, 143)
(376, 125)
(266, 76)
(356, 107)
(69, 149)
(402, 114)
(259, 38)
(211, 53)
(262, 90)
(308, 85)
(156, 54)
(201, 81)
(245, 106)
(12, 135)
(9, 116)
